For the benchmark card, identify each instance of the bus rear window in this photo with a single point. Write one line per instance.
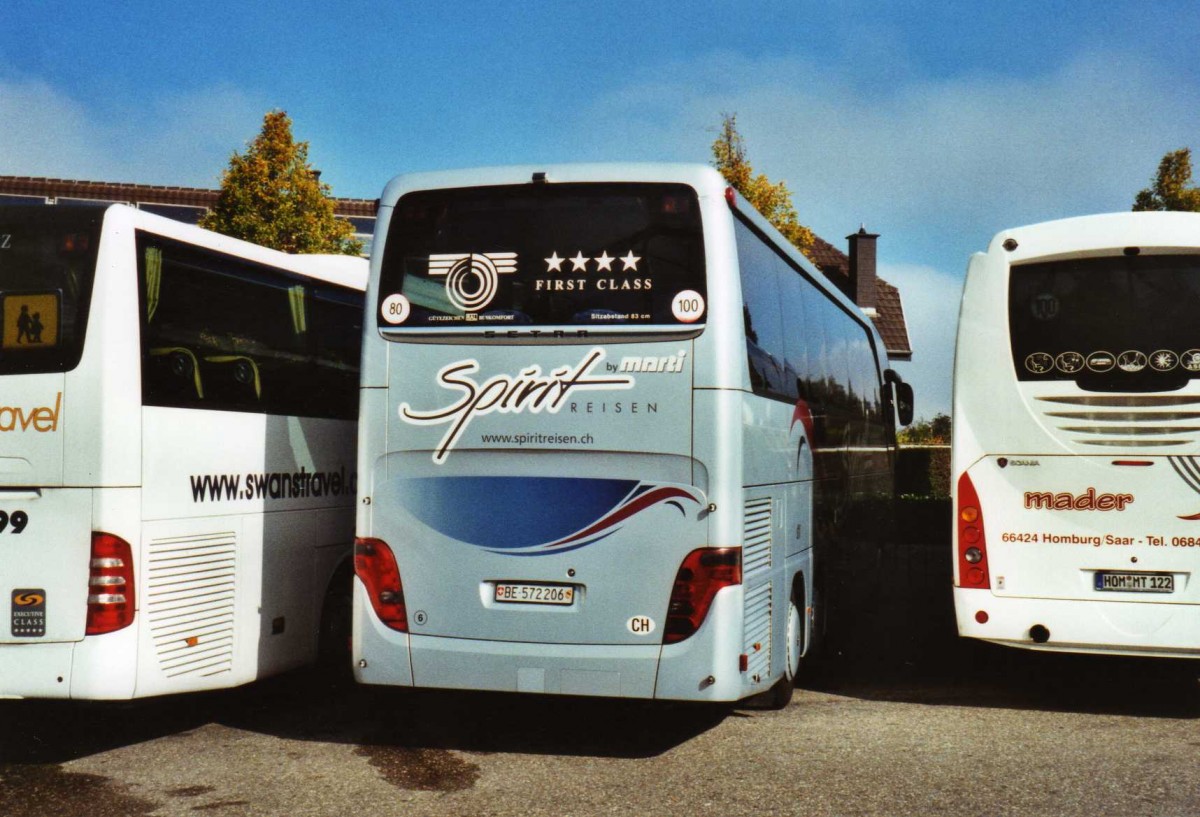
(1124, 324)
(47, 265)
(595, 257)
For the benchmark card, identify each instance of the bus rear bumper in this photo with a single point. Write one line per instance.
(619, 671)
(1079, 625)
(701, 668)
(36, 670)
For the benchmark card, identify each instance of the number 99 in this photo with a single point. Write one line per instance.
(18, 520)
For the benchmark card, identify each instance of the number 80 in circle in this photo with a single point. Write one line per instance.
(395, 309)
(687, 306)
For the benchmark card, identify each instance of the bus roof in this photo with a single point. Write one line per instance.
(345, 270)
(1100, 234)
(705, 179)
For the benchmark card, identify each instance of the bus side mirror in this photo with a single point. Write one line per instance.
(905, 404)
(902, 396)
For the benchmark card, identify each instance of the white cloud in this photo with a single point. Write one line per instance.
(934, 164)
(181, 139)
(45, 133)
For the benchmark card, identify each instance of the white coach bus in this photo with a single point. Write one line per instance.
(608, 417)
(1076, 450)
(176, 452)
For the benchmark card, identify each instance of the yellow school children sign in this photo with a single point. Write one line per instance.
(30, 321)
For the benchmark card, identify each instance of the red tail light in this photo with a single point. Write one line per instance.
(972, 545)
(110, 604)
(701, 575)
(375, 565)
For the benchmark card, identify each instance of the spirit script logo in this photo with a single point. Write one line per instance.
(530, 390)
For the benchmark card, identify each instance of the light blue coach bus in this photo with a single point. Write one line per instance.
(611, 423)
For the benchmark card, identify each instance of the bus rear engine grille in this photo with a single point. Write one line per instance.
(191, 582)
(1125, 421)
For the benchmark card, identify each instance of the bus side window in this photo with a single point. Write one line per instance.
(761, 312)
(795, 332)
(335, 321)
(221, 333)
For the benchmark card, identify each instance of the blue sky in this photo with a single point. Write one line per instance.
(935, 124)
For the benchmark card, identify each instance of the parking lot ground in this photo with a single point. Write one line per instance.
(899, 717)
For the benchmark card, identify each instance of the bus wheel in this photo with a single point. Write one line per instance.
(333, 643)
(781, 693)
(795, 639)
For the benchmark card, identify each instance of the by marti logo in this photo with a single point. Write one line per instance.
(39, 418)
(529, 390)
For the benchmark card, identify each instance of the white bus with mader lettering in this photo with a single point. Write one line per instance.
(608, 417)
(176, 453)
(1076, 453)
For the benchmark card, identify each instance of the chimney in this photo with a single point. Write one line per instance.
(862, 270)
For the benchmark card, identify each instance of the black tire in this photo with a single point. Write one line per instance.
(333, 638)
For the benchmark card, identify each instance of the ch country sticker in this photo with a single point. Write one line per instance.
(640, 625)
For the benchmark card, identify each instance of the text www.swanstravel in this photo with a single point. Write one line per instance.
(280, 485)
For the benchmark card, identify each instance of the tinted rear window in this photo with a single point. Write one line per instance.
(623, 257)
(1126, 323)
(47, 265)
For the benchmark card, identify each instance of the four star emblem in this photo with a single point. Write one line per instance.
(604, 262)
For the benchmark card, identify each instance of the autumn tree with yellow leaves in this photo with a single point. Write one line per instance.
(772, 199)
(272, 196)
(1172, 187)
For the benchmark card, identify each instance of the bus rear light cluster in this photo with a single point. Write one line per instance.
(972, 545)
(110, 603)
(702, 574)
(375, 566)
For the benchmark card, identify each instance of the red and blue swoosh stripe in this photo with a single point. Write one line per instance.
(534, 516)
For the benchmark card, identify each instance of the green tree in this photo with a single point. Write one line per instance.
(1172, 187)
(927, 432)
(270, 195)
(771, 199)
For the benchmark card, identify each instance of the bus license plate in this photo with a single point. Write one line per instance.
(1136, 582)
(516, 593)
